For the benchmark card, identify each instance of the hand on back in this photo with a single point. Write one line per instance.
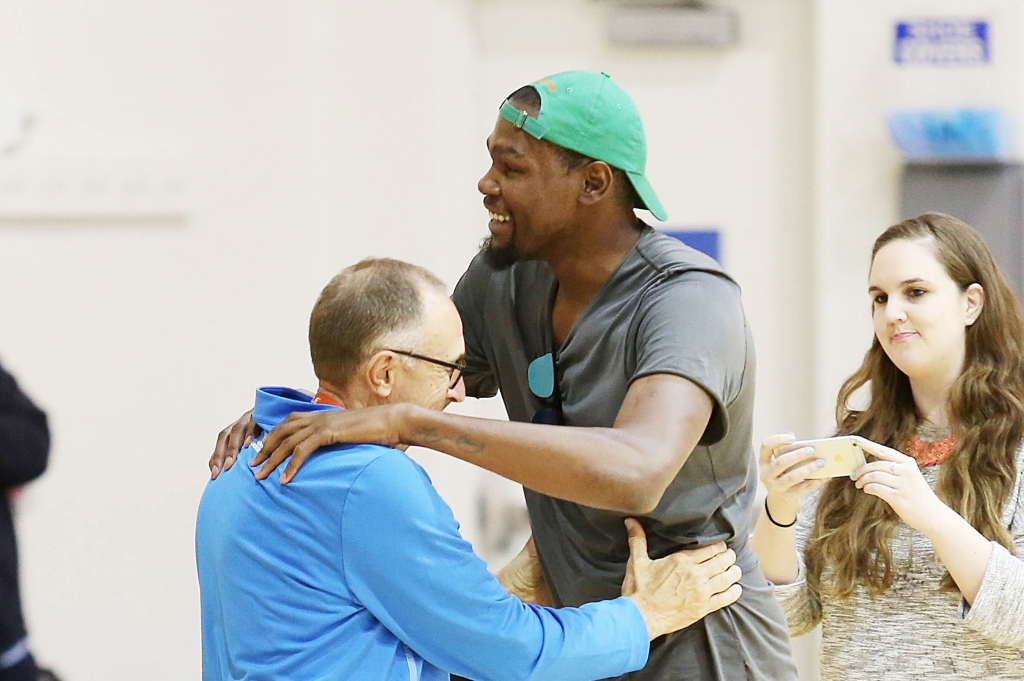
(523, 577)
(301, 434)
(674, 592)
(230, 442)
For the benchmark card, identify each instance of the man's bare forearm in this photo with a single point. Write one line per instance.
(606, 468)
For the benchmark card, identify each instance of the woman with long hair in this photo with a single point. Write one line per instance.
(912, 564)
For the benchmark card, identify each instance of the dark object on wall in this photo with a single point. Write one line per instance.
(987, 196)
(687, 25)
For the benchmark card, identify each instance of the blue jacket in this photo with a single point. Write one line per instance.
(356, 570)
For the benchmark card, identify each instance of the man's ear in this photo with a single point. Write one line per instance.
(380, 373)
(975, 302)
(597, 182)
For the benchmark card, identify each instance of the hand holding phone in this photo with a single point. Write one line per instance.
(842, 455)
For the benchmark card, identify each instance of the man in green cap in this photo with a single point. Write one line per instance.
(627, 371)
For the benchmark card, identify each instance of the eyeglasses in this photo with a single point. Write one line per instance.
(455, 368)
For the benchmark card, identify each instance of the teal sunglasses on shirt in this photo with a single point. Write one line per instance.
(543, 380)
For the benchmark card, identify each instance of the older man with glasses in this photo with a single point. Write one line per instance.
(455, 369)
(358, 571)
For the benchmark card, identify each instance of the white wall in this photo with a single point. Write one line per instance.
(314, 134)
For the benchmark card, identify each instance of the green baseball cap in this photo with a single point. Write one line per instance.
(589, 114)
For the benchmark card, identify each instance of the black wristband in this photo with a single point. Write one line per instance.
(773, 520)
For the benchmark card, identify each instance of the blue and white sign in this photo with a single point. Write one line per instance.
(953, 134)
(942, 42)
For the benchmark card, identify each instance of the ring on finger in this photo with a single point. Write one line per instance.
(892, 468)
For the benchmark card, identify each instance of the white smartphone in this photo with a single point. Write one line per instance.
(842, 455)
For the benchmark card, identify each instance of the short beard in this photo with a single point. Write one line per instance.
(499, 257)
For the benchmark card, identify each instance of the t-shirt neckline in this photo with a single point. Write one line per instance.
(645, 233)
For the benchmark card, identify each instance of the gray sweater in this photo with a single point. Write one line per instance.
(913, 630)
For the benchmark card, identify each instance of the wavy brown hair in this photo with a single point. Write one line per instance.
(853, 531)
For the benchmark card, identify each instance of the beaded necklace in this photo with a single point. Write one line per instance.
(930, 445)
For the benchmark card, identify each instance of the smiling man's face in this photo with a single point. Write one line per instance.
(529, 194)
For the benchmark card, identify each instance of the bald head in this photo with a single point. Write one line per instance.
(376, 302)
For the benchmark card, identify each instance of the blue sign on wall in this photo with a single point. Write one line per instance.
(706, 241)
(953, 134)
(942, 42)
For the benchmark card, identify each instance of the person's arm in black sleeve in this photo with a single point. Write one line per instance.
(24, 436)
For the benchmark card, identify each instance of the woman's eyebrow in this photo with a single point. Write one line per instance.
(916, 280)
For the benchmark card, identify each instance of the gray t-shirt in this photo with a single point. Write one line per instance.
(666, 309)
